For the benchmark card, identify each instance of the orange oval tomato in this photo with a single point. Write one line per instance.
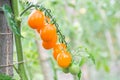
(49, 44)
(64, 59)
(36, 20)
(48, 32)
(55, 54)
(58, 48)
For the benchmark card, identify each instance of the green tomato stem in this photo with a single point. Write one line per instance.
(21, 68)
(26, 9)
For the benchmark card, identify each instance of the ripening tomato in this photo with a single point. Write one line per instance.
(48, 32)
(64, 59)
(74, 69)
(36, 20)
(55, 53)
(49, 44)
(58, 48)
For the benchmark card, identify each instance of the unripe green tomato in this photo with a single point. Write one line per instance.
(74, 69)
(65, 70)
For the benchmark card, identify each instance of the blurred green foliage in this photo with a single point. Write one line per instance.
(5, 77)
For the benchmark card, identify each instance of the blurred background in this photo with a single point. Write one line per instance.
(94, 24)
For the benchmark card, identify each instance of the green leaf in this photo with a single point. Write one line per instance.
(54, 2)
(106, 68)
(92, 58)
(83, 60)
(98, 65)
(79, 75)
(5, 77)
(11, 20)
(90, 55)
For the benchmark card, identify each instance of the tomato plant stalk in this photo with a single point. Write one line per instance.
(21, 67)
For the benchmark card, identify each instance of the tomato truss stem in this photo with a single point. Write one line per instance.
(26, 9)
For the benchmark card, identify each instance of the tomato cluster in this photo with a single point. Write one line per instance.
(48, 33)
